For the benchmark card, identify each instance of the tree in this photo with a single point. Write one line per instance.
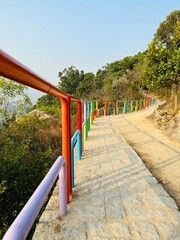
(13, 101)
(162, 68)
(48, 103)
(86, 86)
(70, 79)
(100, 76)
(118, 68)
(123, 78)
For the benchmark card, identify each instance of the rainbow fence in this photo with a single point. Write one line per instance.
(64, 166)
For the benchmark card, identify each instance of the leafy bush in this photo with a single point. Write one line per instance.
(28, 148)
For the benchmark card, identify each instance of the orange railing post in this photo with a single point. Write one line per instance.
(66, 147)
(69, 138)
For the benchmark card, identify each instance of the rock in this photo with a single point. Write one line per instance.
(41, 114)
(167, 121)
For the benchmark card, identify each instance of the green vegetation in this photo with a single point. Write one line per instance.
(29, 145)
(157, 68)
(118, 80)
(13, 101)
(162, 72)
(49, 104)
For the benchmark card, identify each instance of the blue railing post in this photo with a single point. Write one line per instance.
(125, 107)
(76, 138)
(79, 147)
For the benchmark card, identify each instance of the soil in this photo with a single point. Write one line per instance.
(158, 151)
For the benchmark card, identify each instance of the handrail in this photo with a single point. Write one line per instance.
(24, 221)
(13, 69)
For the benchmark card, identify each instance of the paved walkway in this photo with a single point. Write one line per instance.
(115, 197)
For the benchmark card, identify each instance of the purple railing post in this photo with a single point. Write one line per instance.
(62, 191)
(80, 122)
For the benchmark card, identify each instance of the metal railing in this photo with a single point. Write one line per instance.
(14, 70)
(24, 221)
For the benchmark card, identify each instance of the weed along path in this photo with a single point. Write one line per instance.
(115, 195)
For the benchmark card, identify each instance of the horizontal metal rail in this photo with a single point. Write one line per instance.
(24, 221)
(13, 69)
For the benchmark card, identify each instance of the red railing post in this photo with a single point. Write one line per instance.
(114, 107)
(106, 108)
(66, 147)
(97, 115)
(80, 121)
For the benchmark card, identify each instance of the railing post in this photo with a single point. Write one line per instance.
(79, 146)
(136, 107)
(97, 115)
(91, 111)
(80, 123)
(88, 116)
(114, 107)
(106, 108)
(144, 103)
(93, 115)
(72, 161)
(66, 147)
(131, 106)
(85, 121)
(62, 191)
(117, 110)
(69, 138)
(141, 104)
(125, 107)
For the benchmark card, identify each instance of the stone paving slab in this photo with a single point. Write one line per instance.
(116, 197)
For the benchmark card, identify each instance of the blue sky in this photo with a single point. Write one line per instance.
(49, 35)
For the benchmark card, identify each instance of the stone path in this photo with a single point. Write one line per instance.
(116, 197)
(159, 153)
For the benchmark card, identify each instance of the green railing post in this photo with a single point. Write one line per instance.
(136, 107)
(117, 110)
(131, 106)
